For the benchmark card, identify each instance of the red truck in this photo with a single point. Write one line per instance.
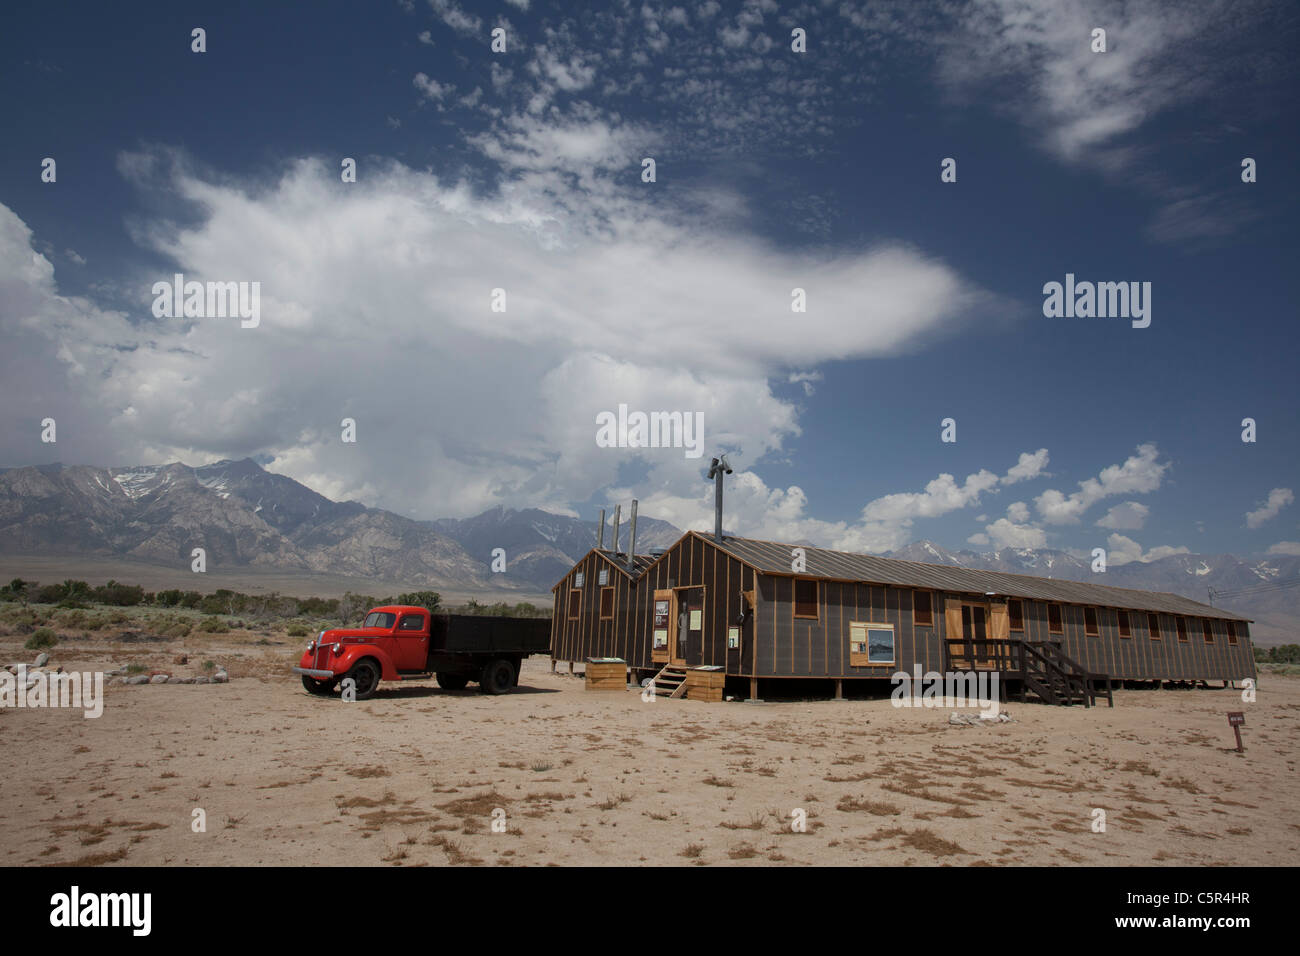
(401, 642)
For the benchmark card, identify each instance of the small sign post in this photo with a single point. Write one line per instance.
(1236, 719)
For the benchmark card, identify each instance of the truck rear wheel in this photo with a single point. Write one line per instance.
(452, 681)
(365, 675)
(322, 687)
(498, 677)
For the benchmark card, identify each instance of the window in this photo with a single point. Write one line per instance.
(1125, 629)
(602, 576)
(412, 622)
(379, 619)
(606, 604)
(922, 609)
(1207, 631)
(577, 579)
(1054, 625)
(870, 644)
(1090, 622)
(1182, 629)
(1153, 625)
(1232, 632)
(575, 604)
(1016, 615)
(805, 599)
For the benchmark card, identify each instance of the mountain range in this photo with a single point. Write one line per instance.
(246, 517)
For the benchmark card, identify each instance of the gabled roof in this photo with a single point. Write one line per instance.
(770, 557)
(619, 560)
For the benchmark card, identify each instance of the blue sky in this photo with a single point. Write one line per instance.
(521, 170)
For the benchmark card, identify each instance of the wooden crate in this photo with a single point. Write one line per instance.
(705, 685)
(606, 675)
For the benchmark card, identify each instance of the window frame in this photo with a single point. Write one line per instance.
(575, 612)
(1124, 623)
(1011, 618)
(929, 608)
(607, 589)
(817, 603)
(1095, 630)
(1180, 625)
(1060, 619)
(1207, 630)
(1232, 633)
(1153, 626)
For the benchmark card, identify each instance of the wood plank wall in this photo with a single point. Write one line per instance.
(774, 643)
(692, 562)
(1139, 657)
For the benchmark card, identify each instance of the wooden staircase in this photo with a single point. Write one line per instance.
(1058, 678)
(1041, 667)
(670, 682)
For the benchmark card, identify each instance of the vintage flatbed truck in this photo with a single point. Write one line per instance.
(401, 642)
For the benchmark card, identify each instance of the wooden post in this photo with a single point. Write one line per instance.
(552, 665)
(570, 667)
(839, 689)
(753, 691)
(1236, 719)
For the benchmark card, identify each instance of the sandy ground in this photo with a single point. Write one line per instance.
(412, 777)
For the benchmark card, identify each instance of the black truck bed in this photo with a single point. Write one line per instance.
(475, 634)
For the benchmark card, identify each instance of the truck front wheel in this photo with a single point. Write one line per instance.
(322, 687)
(365, 676)
(452, 681)
(498, 677)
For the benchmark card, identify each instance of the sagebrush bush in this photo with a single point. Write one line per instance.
(41, 638)
(213, 625)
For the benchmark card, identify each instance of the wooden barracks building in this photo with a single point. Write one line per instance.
(733, 606)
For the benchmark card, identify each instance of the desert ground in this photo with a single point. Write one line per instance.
(413, 776)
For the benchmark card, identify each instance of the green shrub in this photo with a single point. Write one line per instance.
(42, 637)
(213, 625)
(297, 629)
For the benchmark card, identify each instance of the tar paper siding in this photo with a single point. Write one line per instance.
(774, 643)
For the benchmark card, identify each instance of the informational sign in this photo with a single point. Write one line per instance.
(1236, 719)
(697, 620)
(733, 638)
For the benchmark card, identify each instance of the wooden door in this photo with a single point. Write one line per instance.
(680, 631)
(999, 628)
(957, 659)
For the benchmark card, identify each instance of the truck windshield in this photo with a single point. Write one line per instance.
(379, 619)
